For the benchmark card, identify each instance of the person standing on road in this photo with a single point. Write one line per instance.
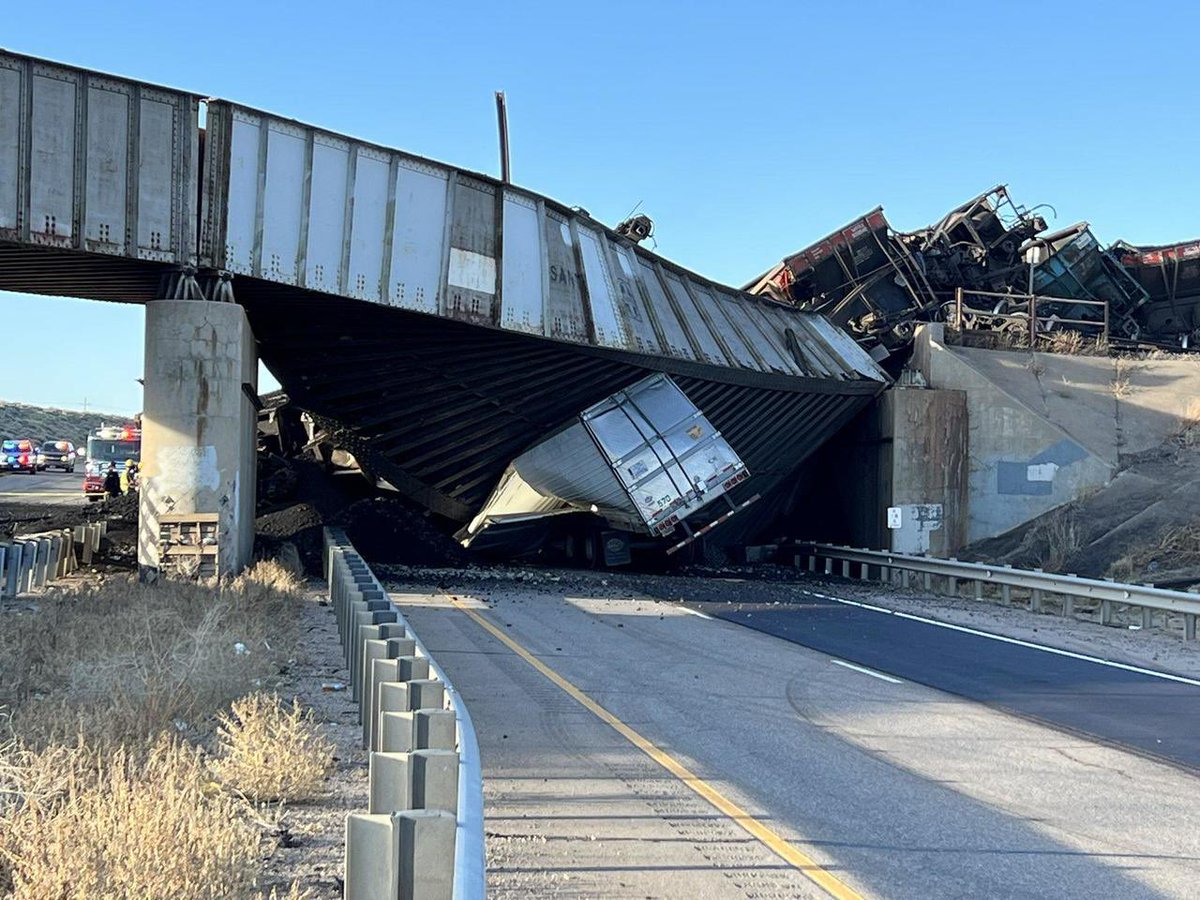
(112, 482)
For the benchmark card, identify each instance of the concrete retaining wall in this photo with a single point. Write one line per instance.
(422, 833)
(1021, 464)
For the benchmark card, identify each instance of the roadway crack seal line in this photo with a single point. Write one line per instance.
(791, 854)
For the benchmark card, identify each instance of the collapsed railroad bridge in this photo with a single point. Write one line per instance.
(502, 360)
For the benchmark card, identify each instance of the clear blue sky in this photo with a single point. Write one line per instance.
(746, 129)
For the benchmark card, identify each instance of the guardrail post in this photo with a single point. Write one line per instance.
(33, 560)
(426, 854)
(84, 546)
(4, 554)
(365, 628)
(1035, 600)
(373, 612)
(951, 585)
(435, 779)
(1189, 626)
(42, 573)
(1147, 614)
(433, 729)
(1068, 605)
(389, 671)
(904, 573)
(390, 781)
(978, 589)
(1105, 612)
(419, 729)
(12, 572)
(845, 568)
(377, 651)
(1005, 594)
(372, 858)
(927, 581)
(57, 549)
(406, 854)
(405, 696)
(812, 564)
(864, 572)
(828, 565)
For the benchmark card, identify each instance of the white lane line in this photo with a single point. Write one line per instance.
(1112, 664)
(696, 612)
(866, 671)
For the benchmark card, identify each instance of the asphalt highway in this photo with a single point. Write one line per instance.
(1149, 712)
(51, 488)
(634, 748)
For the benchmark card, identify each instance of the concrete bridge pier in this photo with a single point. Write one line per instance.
(198, 439)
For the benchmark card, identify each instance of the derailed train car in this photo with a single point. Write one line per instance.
(1015, 273)
(1170, 276)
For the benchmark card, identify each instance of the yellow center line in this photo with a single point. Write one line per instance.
(809, 867)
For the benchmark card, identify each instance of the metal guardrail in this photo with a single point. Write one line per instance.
(1037, 582)
(30, 561)
(398, 848)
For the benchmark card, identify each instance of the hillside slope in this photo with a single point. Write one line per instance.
(40, 423)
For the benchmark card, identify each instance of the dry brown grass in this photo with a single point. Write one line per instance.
(271, 752)
(104, 693)
(122, 661)
(1123, 371)
(82, 823)
(1054, 539)
(1187, 435)
(1173, 549)
(1071, 343)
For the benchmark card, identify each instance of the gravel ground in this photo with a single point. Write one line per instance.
(310, 836)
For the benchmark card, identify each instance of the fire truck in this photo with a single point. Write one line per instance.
(115, 445)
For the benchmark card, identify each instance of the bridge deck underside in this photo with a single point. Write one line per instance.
(440, 407)
(67, 273)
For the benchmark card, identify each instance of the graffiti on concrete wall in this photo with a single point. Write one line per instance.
(1035, 477)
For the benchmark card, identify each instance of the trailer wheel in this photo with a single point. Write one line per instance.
(593, 553)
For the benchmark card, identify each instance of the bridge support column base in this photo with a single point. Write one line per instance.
(198, 433)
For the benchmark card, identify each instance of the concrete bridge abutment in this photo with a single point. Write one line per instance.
(197, 493)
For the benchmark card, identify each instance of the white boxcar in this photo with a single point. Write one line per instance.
(296, 205)
(97, 163)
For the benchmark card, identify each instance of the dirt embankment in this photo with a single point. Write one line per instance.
(1142, 527)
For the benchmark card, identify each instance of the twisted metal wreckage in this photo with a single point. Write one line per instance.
(990, 265)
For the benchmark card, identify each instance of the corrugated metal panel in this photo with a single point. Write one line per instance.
(380, 225)
(95, 163)
(523, 265)
(644, 335)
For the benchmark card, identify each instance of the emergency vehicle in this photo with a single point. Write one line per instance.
(110, 444)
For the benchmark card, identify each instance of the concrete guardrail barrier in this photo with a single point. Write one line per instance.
(421, 836)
